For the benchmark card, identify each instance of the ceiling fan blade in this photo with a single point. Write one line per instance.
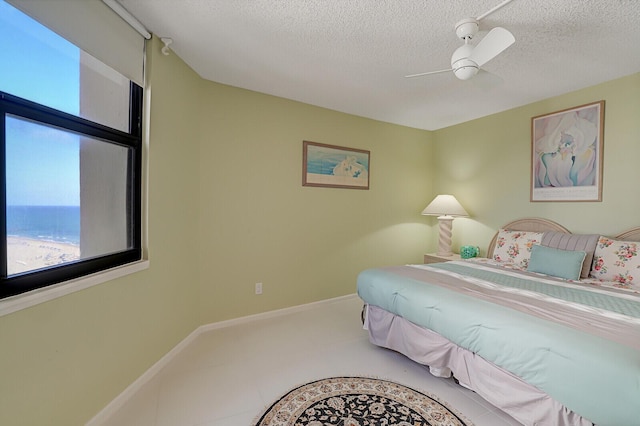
(485, 80)
(427, 73)
(491, 45)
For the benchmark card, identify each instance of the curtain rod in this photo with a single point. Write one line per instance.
(131, 20)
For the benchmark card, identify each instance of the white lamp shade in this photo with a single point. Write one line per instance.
(445, 205)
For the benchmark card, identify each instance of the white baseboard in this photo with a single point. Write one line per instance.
(134, 387)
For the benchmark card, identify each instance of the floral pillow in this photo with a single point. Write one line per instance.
(514, 247)
(617, 261)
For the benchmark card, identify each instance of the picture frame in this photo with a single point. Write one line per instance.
(335, 166)
(567, 153)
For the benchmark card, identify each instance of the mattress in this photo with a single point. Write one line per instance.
(577, 343)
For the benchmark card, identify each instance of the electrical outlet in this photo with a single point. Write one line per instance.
(258, 288)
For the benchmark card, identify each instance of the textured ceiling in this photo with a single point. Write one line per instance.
(351, 55)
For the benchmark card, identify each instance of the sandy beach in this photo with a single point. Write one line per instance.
(25, 254)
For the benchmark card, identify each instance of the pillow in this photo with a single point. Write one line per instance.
(617, 261)
(586, 243)
(514, 247)
(559, 263)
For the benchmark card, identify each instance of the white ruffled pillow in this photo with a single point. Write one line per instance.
(514, 247)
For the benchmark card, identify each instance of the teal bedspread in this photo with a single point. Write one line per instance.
(578, 345)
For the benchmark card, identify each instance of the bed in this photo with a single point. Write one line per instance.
(546, 327)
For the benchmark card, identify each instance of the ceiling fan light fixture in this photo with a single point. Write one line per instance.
(463, 67)
(466, 72)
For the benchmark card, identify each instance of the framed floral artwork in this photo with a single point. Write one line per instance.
(334, 166)
(566, 154)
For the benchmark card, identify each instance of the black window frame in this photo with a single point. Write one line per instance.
(41, 114)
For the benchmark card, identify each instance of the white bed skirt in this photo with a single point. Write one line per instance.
(522, 401)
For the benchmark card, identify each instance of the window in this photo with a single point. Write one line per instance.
(70, 156)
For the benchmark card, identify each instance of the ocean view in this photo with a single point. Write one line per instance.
(41, 236)
(49, 223)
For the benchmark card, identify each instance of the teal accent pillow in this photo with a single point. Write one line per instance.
(558, 263)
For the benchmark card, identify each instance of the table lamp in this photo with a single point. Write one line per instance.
(446, 207)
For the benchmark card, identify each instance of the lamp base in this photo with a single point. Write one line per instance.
(444, 236)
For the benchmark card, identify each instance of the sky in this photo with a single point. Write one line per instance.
(42, 163)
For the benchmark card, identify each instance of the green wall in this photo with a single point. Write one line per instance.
(226, 209)
(259, 224)
(486, 164)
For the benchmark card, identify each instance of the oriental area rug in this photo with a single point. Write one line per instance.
(358, 401)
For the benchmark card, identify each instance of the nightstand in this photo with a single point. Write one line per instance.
(434, 258)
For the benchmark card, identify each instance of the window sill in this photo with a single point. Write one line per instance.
(26, 300)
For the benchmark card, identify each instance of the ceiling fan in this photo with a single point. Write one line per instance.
(468, 58)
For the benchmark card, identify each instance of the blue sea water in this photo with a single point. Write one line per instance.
(51, 223)
(324, 160)
(322, 166)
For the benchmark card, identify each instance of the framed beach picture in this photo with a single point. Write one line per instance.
(334, 166)
(566, 154)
